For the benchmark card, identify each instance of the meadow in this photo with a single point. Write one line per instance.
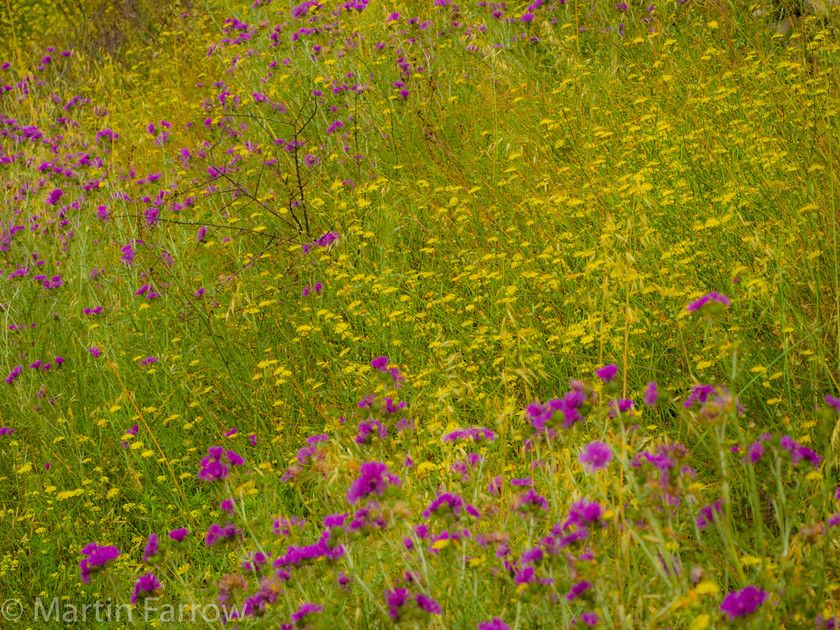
(485, 315)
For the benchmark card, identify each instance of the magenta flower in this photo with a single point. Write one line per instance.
(493, 624)
(584, 513)
(596, 456)
(744, 602)
(578, 589)
(651, 394)
(217, 533)
(833, 402)
(146, 585)
(54, 196)
(374, 478)
(607, 373)
(299, 617)
(215, 465)
(472, 433)
(380, 363)
(396, 599)
(179, 534)
(706, 515)
(531, 502)
(152, 548)
(97, 557)
(427, 604)
(710, 298)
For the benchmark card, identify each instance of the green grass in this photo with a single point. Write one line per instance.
(525, 215)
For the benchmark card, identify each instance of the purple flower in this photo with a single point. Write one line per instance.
(95, 352)
(620, 405)
(607, 373)
(472, 433)
(446, 503)
(215, 465)
(145, 585)
(589, 618)
(528, 17)
(578, 589)
(427, 604)
(584, 513)
(380, 363)
(706, 516)
(54, 196)
(97, 557)
(595, 456)
(396, 599)
(495, 486)
(179, 534)
(742, 603)
(374, 478)
(531, 502)
(14, 374)
(152, 548)
(833, 402)
(493, 624)
(217, 533)
(651, 394)
(299, 617)
(522, 482)
(710, 298)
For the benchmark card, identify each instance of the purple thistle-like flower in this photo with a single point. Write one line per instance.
(531, 501)
(471, 433)
(589, 618)
(152, 548)
(54, 196)
(427, 604)
(495, 486)
(97, 556)
(620, 405)
(710, 298)
(215, 465)
(396, 599)
(446, 503)
(145, 585)
(217, 533)
(833, 402)
(584, 513)
(651, 394)
(596, 456)
(374, 478)
(179, 534)
(744, 602)
(380, 363)
(706, 515)
(299, 617)
(607, 373)
(493, 624)
(578, 589)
